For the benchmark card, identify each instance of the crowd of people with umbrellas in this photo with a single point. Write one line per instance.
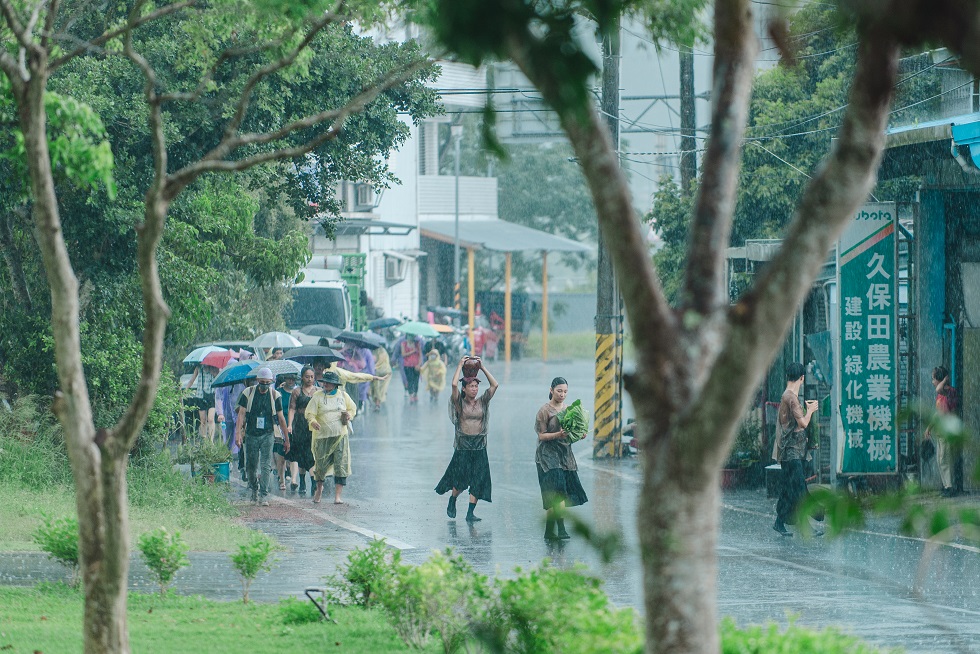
(217, 374)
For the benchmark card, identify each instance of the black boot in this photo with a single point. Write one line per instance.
(469, 513)
(302, 485)
(549, 530)
(451, 508)
(562, 534)
(780, 528)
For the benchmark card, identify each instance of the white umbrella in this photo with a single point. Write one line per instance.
(197, 356)
(277, 368)
(275, 339)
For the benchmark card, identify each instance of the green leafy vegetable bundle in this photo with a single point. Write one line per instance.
(575, 421)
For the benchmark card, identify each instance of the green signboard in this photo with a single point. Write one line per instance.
(867, 281)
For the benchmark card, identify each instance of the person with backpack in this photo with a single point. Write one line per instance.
(258, 408)
(945, 404)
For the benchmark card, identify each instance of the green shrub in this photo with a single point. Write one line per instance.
(550, 610)
(164, 554)
(367, 572)
(766, 639)
(32, 446)
(296, 611)
(59, 538)
(154, 483)
(252, 558)
(442, 596)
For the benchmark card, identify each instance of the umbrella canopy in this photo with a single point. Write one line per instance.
(197, 356)
(369, 340)
(381, 323)
(234, 374)
(219, 359)
(443, 329)
(278, 367)
(418, 329)
(326, 331)
(308, 353)
(275, 339)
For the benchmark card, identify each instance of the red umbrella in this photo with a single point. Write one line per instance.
(219, 359)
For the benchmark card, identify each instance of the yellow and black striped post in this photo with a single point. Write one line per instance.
(456, 299)
(606, 440)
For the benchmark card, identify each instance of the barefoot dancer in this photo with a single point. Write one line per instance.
(469, 467)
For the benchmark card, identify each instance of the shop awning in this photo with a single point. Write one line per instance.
(499, 236)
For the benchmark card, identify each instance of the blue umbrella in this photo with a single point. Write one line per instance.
(235, 373)
(381, 323)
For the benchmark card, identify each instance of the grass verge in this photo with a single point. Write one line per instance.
(575, 345)
(49, 619)
(204, 531)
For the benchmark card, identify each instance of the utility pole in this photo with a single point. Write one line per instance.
(457, 135)
(689, 159)
(608, 320)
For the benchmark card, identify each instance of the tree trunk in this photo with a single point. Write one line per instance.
(678, 531)
(100, 486)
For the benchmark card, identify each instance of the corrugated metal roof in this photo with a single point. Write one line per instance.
(499, 236)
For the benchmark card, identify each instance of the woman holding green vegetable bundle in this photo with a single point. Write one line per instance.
(557, 469)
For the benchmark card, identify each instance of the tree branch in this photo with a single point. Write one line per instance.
(14, 72)
(16, 26)
(123, 435)
(649, 314)
(760, 320)
(236, 120)
(214, 161)
(49, 24)
(131, 24)
(734, 69)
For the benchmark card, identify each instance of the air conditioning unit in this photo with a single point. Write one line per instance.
(395, 269)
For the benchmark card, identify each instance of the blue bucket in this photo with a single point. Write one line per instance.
(221, 471)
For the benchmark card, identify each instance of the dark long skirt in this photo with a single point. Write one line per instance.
(301, 445)
(792, 491)
(558, 485)
(468, 469)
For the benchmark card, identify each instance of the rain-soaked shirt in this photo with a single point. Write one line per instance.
(791, 438)
(472, 418)
(556, 453)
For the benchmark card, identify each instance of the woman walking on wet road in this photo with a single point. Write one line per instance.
(469, 467)
(300, 455)
(557, 469)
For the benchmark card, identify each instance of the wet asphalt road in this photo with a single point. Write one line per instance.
(864, 582)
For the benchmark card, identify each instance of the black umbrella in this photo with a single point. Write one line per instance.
(381, 323)
(363, 339)
(308, 353)
(324, 330)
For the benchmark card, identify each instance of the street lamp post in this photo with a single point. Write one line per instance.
(457, 136)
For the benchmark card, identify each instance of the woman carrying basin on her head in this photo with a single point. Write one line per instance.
(557, 468)
(469, 467)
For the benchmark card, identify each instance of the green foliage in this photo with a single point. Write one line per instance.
(32, 447)
(443, 595)
(153, 483)
(252, 558)
(296, 611)
(366, 574)
(768, 639)
(574, 420)
(550, 610)
(164, 553)
(59, 538)
(670, 216)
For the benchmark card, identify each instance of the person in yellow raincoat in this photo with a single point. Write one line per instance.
(329, 415)
(434, 372)
(378, 393)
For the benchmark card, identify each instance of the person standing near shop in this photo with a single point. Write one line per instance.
(945, 453)
(469, 467)
(790, 447)
(557, 468)
(410, 355)
(258, 406)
